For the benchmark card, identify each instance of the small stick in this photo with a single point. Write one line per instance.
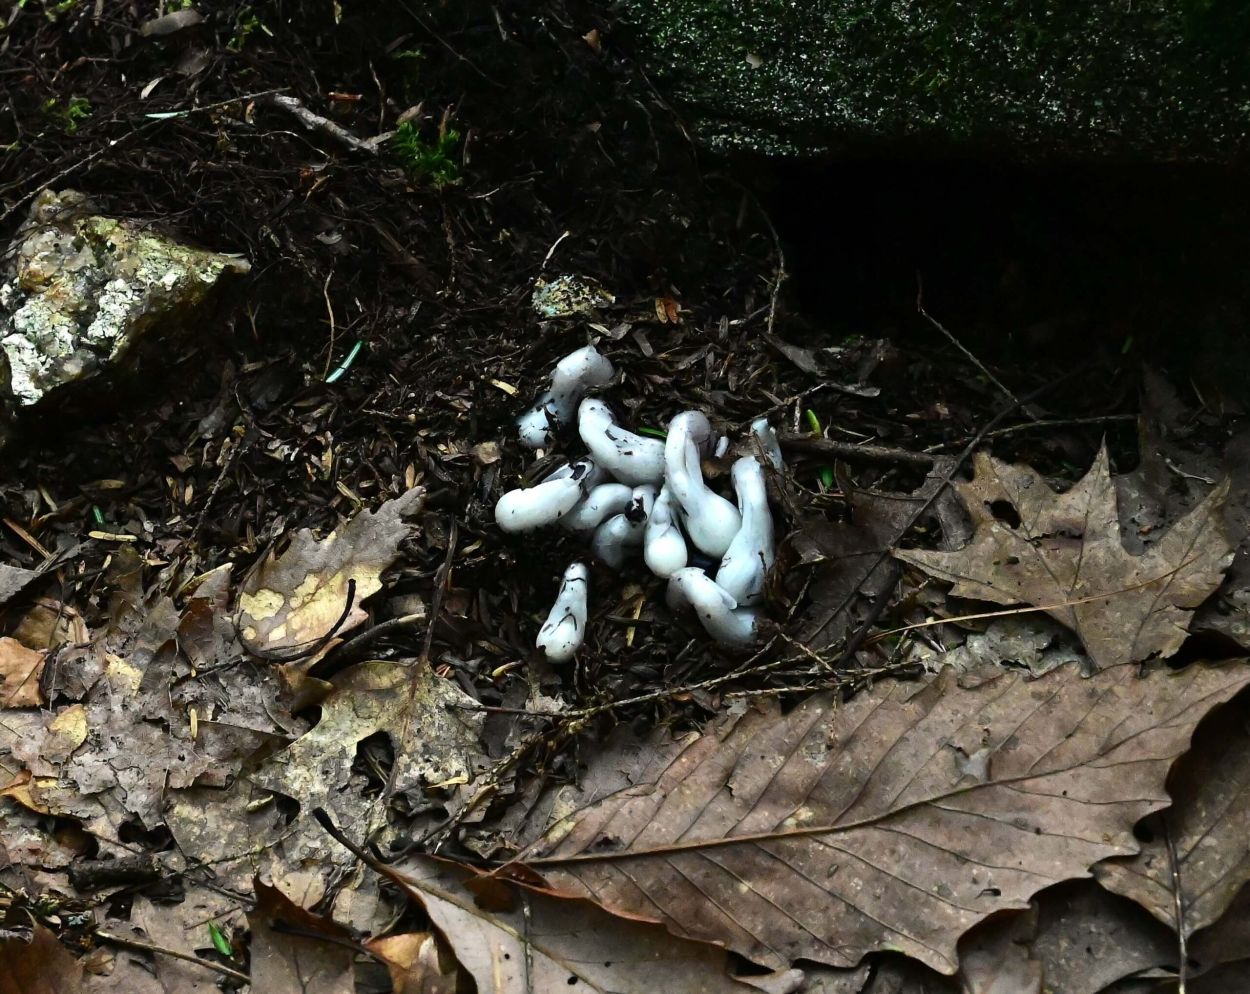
(148, 947)
(1179, 910)
(854, 453)
(315, 122)
(959, 345)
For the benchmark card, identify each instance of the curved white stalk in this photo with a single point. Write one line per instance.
(618, 537)
(601, 503)
(717, 611)
(752, 552)
(564, 630)
(766, 437)
(630, 458)
(573, 375)
(711, 521)
(663, 547)
(529, 508)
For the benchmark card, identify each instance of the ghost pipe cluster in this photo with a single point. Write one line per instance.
(634, 495)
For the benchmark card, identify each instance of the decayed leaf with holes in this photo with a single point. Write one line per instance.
(1209, 826)
(895, 821)
(433, 728)
(547, 944)
(1065, 555)
(293, 602)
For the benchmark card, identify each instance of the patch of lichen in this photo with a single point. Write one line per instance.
(1160, 78)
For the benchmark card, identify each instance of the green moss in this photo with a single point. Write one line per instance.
(1159, 77)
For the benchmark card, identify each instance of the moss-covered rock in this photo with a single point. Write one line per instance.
(1147, 78)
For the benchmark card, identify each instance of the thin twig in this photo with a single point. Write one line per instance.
(959, 345)
(151, 947)
(820, 446)
(315, 122)
(1034, 425)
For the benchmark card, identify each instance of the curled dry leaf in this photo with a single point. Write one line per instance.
(545, 944)
(895, 821)
(296, 952)
(19, 675)
(415, 963)
(1209, 828)
(294, 601)
(1063, 553)
(40, 966)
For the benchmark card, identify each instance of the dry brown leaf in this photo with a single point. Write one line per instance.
(433, 727)
(13, 579)
(895, 821)
(1209, 826)
(40, 966)
(545, 944)
(414, 963)
(294, 601)
(19, 675)
(296, 952)
(1066, 556)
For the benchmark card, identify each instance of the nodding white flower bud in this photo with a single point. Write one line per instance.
(564, 630)
(618, 537)
(630, 458)
(766, 438)
(752, 552)
(717, 611)
(529, 508)
(555, 408)
(664, 548)
(711, 521)
(600, 504)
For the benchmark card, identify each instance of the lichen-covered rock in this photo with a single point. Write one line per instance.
(1151, 78)
(79, 291)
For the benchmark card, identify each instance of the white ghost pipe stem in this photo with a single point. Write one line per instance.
(766, 437)
(752, 552)
(663, 546)
(717, 611)
(529, 508)
(564, 630)
(621, 535)
(630, 458)
(600, 504)
(711, 521)
(572, 377)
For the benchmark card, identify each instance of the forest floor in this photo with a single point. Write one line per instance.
(199, 716)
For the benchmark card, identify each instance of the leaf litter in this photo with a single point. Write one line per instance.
(197, 675)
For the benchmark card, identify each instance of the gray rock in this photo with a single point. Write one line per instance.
(1152, 79)
(80, 291)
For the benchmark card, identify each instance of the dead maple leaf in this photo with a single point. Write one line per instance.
(314, 590)
(19, 675)
(1063, 553)
(545, 944)
(432, 725)
(895, 821)
(1209, 829)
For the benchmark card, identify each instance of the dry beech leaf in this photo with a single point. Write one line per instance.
(19, 675)
(895, 821)
(1066, 555)
(546, 944)
(295, 600)
(1209, 826)
(41, 966)
(296, 952)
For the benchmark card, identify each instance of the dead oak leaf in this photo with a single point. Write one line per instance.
(1062, 553)
(433, 728)
(896, 821)
(295, 601)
